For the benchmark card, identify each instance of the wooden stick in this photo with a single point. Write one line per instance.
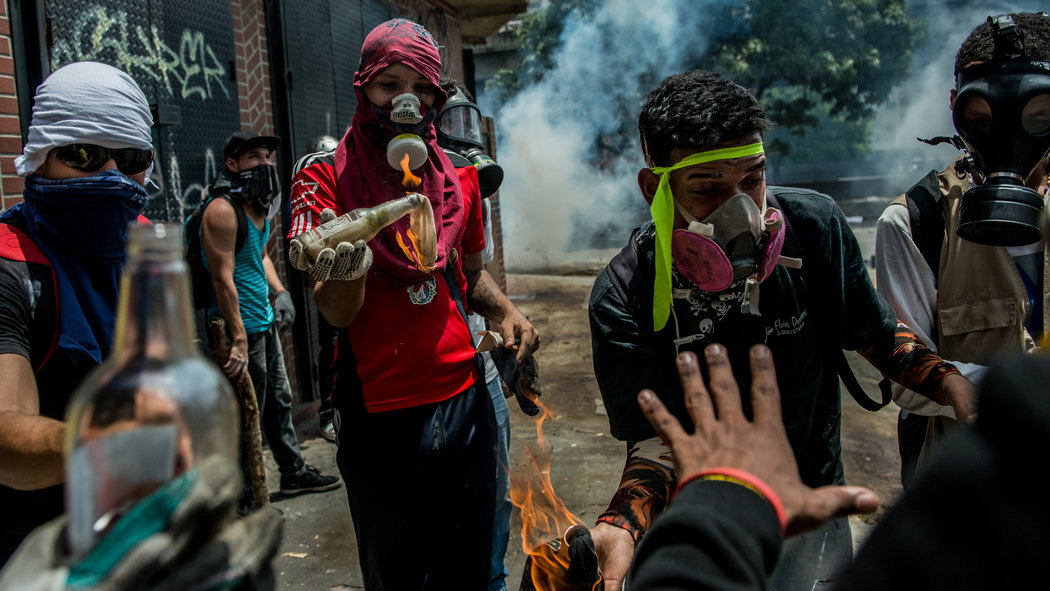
(220, 347)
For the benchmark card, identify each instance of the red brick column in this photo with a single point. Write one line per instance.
(256, 106)
(11, 185)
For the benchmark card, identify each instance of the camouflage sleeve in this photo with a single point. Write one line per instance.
(912, 364)
(644, 490)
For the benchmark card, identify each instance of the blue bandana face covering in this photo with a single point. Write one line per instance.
(81, 225)
(87, 217)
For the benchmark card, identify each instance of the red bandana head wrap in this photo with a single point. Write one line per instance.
(363, 175)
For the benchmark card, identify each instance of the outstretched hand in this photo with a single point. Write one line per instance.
(724, 438)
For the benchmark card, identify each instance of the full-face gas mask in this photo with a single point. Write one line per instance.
(736, 241)
(459, 130)
(407, 120)
(1002, 113)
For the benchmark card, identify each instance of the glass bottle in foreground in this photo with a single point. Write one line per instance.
(155, 407)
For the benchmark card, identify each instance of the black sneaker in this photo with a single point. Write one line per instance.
(309, 480)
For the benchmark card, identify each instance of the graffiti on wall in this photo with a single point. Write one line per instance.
(187, 197)
(189, 70)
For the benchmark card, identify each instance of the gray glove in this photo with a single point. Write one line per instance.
(345, 262)
(283, 310)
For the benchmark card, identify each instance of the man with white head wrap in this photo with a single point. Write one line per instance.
(61, 254)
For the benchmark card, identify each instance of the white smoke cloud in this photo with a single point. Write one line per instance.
(553, 196)
(553, 193)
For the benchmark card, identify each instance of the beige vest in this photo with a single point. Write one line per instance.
(982, 303)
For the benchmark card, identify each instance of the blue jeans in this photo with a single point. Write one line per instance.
(501, 525)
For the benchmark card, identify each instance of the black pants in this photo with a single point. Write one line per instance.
(421, 487)
(911, 434)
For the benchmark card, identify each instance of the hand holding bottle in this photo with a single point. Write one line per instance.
(337, 249)
(346, 262)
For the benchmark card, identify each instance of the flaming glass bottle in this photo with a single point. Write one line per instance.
(155, 407)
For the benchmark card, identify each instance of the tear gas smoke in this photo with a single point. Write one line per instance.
(563, 186)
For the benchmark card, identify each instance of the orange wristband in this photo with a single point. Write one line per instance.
(746, 480)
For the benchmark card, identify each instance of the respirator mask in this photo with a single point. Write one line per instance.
(258, 185)
(734, 242)
(408, 122)
(738, 240)
(459, 130)
(1002, 113)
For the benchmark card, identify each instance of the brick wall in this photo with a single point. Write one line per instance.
(11, 185)
(496, 267)
(256, 106)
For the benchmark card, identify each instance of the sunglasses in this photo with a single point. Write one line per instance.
(90, 158)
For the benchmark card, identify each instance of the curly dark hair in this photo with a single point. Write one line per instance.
(979, 46)
(697, 109)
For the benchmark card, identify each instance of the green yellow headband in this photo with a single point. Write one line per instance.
(662, 210)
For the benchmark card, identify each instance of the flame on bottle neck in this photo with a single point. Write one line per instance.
(544, 515)
(412, 253)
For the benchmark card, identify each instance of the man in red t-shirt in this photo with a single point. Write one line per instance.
(417, 428)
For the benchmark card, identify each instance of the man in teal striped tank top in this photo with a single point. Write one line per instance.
(243, 276)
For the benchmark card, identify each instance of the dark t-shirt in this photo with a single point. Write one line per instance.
(807, 314)
(28, 321)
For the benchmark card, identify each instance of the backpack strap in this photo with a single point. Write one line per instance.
(842, 367)
(448, 275)
(926, 219)
(242, 222)
(18, 246)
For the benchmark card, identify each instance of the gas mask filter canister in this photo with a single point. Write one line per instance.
(404, 115)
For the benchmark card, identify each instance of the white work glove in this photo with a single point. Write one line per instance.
(345, 262)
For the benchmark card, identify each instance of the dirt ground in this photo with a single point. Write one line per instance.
(319, 552)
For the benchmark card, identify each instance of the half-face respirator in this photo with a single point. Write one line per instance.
(738, 240)
(407, 120)
(734, 242)
(1002, 113)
